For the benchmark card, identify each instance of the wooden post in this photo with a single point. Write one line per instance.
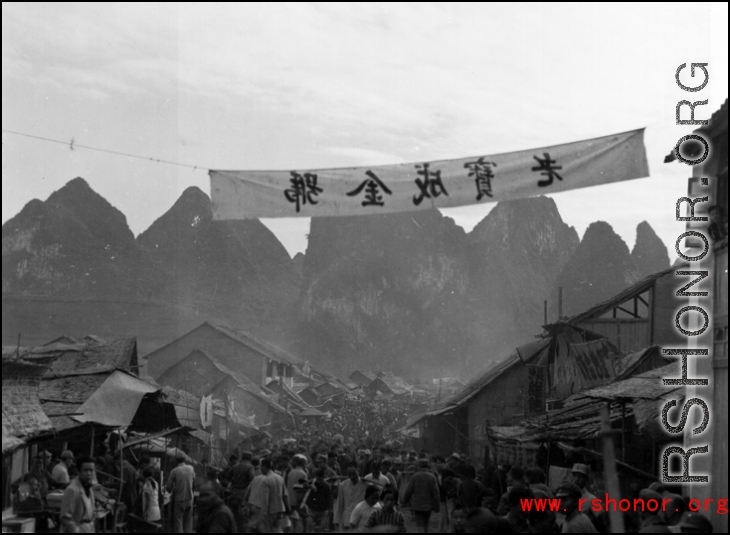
(560, 303)
(623, 431)
(121, 470)
(609, 471)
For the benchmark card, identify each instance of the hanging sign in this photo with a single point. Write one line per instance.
(421, 185)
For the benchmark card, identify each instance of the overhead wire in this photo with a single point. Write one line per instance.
(73, 145)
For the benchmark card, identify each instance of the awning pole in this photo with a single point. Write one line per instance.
(609, 471)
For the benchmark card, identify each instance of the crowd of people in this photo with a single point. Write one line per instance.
(335, 483)
(288, 488)
(363, 422)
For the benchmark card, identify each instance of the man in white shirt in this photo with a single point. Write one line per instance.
(365, 508)
(376, 477)
(351, 492)
(60, 471)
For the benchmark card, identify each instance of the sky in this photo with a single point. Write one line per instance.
(311, 86)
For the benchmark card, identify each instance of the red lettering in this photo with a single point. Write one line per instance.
(694, 505)
(624, 505)
(610, 501)
(596, 505)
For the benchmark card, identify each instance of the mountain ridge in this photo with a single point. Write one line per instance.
(411, 292)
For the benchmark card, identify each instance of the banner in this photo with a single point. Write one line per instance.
(438, 184)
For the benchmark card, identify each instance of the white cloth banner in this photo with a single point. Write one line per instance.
(438, 184)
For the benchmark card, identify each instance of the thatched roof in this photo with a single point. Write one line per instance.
(647, 385)
(637, 397)
(61, 414)
(72, 389)
(10, 442)
(23, 416)
(64, 359)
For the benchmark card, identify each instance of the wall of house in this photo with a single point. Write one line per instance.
(226, 350)
(631, 334)
(445, 434)
(378, 385)
(245, 403)
(500, 403)
(627, 334)
(666, 305)
(197, 375)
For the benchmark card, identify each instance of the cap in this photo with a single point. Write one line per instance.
(264, 453)
(695, 523)
(455, 456)
(658, 487)
(180, 456)
(569, 489)
(424, 463)
(581, 468)
(68, 454)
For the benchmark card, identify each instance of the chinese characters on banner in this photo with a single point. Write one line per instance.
(421, 185)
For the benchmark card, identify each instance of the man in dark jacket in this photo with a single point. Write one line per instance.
(239, 475)
(214, 516)
(422, 495)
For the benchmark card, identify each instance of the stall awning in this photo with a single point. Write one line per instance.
(116, 401)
